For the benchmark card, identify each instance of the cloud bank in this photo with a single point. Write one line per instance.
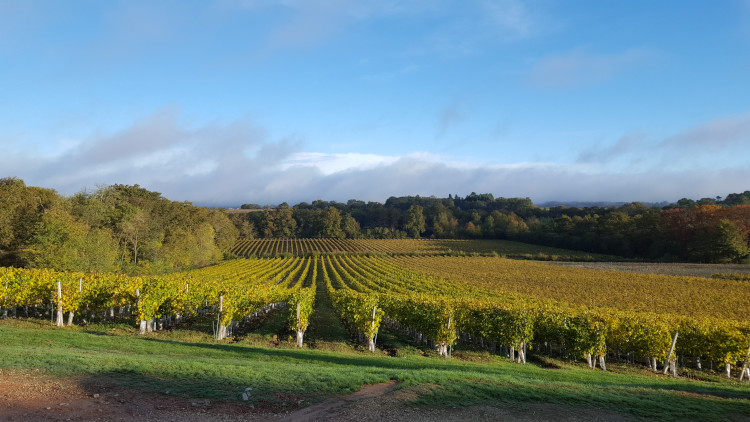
(235, 163)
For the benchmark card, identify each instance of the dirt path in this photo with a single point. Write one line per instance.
(29, 396)
(332, 406)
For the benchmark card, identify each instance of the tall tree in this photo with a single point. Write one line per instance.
(283, 221)
(415, 223)
(730, 244)
(350, 226)
(444, 224)
(331, 223)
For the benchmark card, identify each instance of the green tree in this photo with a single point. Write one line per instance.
(331, 223)
(21, 210)
(444, 224)
(62, 243)
(56, 242)
(99, 251)
(283, 222)
(350, 226)
(225, 233)
(415, 223)
(141, 235)
(727, 243)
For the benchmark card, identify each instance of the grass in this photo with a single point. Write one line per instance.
(187, 363)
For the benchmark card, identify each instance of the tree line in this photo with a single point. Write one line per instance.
(130, 229)
(706, 230)
(114, 228)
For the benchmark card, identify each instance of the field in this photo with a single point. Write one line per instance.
(683, 269)
(375, 335)
(444, 247)
(688, 295)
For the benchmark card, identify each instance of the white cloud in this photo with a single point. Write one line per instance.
(235, 163)
(541, 182)
(328, 164)
(718, 134)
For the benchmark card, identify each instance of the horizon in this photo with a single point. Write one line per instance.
(236, 101)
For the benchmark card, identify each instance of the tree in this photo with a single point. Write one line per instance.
(245, 228)
(56, 241)
(99, 251)
(444, 224)
(21, 209)
(472, 230)
(225, 233)
(563, 224)
(730, 244)
(415, 223)
(331, 223)
(350, 226)
(136, 232)
(283, 221)
(62, 243)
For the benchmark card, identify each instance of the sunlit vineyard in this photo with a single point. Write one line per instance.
(679, 295)
(297, 247)
(511, 307)
(450, 304)
(230, 292)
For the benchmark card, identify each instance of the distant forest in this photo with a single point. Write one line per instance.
(130, 229)
(706, 230)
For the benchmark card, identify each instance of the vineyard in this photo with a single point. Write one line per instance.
(441, 247)
(509, 307)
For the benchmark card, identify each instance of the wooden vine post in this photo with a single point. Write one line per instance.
(70, 311)
(443, 347)
(371, 340)
(300, 331)
(143, 325)
(60, 322)
(669, 363)
(745, 367)
(221, 331)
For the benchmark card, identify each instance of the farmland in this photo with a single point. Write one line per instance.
(449, 328)
(275, 247)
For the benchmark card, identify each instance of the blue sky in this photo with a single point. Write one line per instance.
(232, 101)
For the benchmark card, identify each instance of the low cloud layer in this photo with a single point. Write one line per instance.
(235, 163)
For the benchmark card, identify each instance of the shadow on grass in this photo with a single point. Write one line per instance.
(639, 403)
(504, 373)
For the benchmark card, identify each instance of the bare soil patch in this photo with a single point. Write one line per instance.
(31, 396)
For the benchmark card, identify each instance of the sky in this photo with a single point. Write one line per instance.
(228, 102)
